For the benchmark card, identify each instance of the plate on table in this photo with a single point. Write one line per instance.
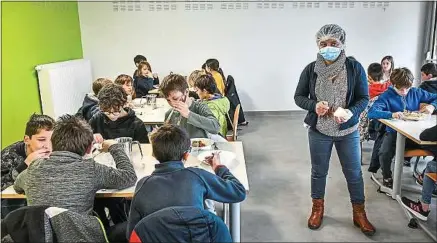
(201, 143)
(227, 158)
(414, 116)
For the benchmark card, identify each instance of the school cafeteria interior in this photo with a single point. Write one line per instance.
(219, 121)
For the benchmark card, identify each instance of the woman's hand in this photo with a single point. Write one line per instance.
(322, 108)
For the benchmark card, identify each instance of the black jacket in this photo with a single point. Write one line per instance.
(430, 134)
(234, 99)
(181, 224)
(142, 85)
(128, 126)
(430, 86)
(90, 107)
(357, 93)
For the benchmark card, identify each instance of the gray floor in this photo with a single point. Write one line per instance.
(278, 204)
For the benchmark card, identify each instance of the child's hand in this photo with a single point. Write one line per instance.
(98, 138)
(41, 153)
(427, 109)
(214, 160)
(398, 115)
(182, 108)
(107, 144)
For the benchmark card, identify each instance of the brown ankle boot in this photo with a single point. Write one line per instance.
(360, 220)
(316, 217)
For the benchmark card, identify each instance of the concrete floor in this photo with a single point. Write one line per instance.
(279, 203)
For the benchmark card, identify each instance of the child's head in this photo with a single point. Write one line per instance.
(429, 71)
(72, 134)
(126, 82)
(38, 132)
(174, 87)
(193, 76)
(112, 99)
(144, 68)
(99, 84)
(212, 65)
(138, 59)
(205, 86)
(170, 143)
(374, 72)
(402, 80)
(387, 64)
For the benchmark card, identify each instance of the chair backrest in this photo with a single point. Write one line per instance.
(234, 125)
(181, 224)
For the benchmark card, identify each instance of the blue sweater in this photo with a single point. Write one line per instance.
(390, 102)
(173, 185)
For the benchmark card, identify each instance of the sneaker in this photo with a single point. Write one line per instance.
(388, 183)
(415, 208)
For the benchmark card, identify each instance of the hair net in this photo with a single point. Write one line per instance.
(331, 31)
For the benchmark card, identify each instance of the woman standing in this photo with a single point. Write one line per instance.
(334, 91)
(388, 65)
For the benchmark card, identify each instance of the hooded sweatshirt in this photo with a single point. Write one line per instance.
(200, 122)
(390, 102)
(127, 126)
(429, 85)
(220, 106)
(90, 106)
(143, 85)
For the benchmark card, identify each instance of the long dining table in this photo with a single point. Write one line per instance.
(144, 166)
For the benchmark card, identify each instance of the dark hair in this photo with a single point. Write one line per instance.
(173, 82)
(72, 134)
(169, 143)
(99, 84)
(37, 123)
(206, 82)
(390, 59)
(213, 64)
(112, 96)
(375, 71)
(123, 79)
(429, 68)
(402, 78)
(139, 58)
(204, 66)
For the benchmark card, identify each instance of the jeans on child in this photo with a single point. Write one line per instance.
(388, 151)
(428, 184)
(348, 150)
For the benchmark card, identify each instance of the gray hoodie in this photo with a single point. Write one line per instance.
(200, 122)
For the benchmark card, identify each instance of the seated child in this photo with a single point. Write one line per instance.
(127, 83)
(18, 156)
(137, 60)
(143, 82)
(66, 179)
(212, 66)
(171, 184)
(193, 115)
(219, 105)
(114, 119)
(422, 208)
(90, 104)
(391, 104)
(193, 76)
(429, 77)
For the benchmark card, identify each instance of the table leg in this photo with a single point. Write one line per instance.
(234, 215)
(399, 165)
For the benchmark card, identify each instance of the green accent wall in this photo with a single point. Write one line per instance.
(33, 33)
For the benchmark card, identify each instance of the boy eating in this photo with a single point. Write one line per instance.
(90, 105)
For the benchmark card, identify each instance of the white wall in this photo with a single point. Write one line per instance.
(264, 49)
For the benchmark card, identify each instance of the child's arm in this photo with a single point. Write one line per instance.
(123, 176)
(427, 97)
(380, 109)
(204, 119)
(20, 182)
(8, 172)
(223, 186)
(429, 134)
(140, 133)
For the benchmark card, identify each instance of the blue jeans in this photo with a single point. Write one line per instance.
(428, 184)
(348, 150)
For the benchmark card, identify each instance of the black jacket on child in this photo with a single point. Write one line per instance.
(127, 126)
(430, 134)
(90, 107)
(430, 86)
(143, 85)
(232, 95)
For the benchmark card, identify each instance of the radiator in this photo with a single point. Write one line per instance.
(63, 86)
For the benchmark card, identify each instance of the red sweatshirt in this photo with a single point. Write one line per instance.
(375, 89)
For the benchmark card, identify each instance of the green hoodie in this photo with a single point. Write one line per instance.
(220, 106)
